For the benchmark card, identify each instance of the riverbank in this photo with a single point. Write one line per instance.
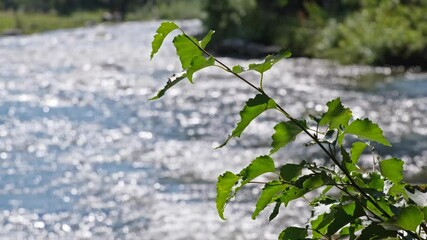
(32, 22)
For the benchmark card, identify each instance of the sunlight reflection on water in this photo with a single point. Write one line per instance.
(85, 156)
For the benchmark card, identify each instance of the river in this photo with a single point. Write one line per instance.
(84, 155)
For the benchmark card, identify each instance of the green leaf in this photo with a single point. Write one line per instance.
(367, 130)
(285, 132)
(336, 115)
(270, 190)
(164, 29)
(408, 218)
(339, 216)
(303, 185)
(291, 171)
(206, 39)
(224, 191)
(198, 63)
(292, 193)
(398, 189)
(238, 69)
(275, 212)
(347, 162)
(376, 182)
(424, 209)
(356, 150)
(253, 108)
(186, 49)
(293, 233)
(172, 81)
(392, 169)
(349, 232)
(259, 166)
(269, 61)
(384, 204)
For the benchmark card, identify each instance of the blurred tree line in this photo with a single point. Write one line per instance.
(66, 7)
(351, 31)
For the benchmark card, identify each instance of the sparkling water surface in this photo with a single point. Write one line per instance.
(84, 155)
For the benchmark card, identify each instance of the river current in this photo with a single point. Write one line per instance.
(84, 155)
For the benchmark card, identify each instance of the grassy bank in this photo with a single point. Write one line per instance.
(38, 22)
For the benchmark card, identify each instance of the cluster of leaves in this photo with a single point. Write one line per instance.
(373, 204)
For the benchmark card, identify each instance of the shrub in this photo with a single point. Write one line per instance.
(374, 204)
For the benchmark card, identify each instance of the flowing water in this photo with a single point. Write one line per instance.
(83, 155)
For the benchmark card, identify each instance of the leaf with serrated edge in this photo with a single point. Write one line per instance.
(224, 191)
(336, 115)
(270, 190)
(186, 49)
(161, 33)
(269, 61)
(253, 108)
(176, 78)
(392, 169)
(356, 150)
(285, 132)
(259, 166)
(366, 129)
(198, 63)
(206, 39)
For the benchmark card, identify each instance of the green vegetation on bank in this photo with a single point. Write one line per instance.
(37, 15)
(38, 22)
(378, 32)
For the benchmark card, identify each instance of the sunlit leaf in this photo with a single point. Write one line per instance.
(392, 169)
(186, 49)
(408, 218)
(356, 150)
(398, 189)
(384, 204)
(347, 162)
(238, 69)
(253, 108)
(269, 61)
(259, 166)
(285, 132)
(336, 115)
(293, 233)
(376, 182)
(291, 193)
(206, 39)
(172, 81)
(367, 130)
(337, 218)
(290, 171)
(198, 63)
(224, 191)
(270, 190)
(303, 185)
(164, 29)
